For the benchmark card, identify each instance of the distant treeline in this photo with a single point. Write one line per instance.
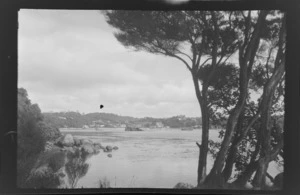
(78, 120)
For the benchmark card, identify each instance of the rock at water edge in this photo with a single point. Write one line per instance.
(128, 128)
(87, 148)
(109, 148)
(77, 141)
(115, 148)
(67, 140)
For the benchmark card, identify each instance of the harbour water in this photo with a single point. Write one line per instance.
(153, 158)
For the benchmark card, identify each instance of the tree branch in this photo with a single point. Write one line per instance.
(276, 150)
(252, 121)
(160, 46)
(184, 54)
(246, 34)
(267, 63)
(216, 34)
(199, 145)
(230, 20)
(181, 59)
(253, 44)
(242, 12)
(227, 58)
(270, 177)
(205, 61)
(219, 61)
(280, 92)
(268, 89)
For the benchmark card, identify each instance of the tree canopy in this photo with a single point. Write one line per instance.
(206, 42)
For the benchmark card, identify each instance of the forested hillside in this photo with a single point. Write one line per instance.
(90, 120)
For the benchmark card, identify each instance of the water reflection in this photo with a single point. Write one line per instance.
(76, 166)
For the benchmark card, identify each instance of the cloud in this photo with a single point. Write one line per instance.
(70, 60)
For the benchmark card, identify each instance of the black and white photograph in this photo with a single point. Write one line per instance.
(177, 99)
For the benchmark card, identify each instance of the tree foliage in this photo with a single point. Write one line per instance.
(30, 138)
(204, 41)
(33, 133)
(196, 38)
(76, 167)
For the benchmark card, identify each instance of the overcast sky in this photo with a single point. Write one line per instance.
(70, 61)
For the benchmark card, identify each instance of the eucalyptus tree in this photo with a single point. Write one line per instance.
(268, 75)
(196, 38)
(269, 152)
(262, 33)
(204, 41)
(249, 43)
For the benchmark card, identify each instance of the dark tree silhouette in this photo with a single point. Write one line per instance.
(222, 89)
(208, 34)
(238, 125)
(30, 137)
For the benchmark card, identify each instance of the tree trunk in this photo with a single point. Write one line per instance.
(203, 148)
(265, 134)
(244, 177)
(262, 166)
(259, 181)
(266, 156)
(253, 166)
(227, 171)
(215, 179)
(250, 168)
(265, 131)
(230, 160)
(234, 146)
(268, 92)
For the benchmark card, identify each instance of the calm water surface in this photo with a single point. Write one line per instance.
(154, 158)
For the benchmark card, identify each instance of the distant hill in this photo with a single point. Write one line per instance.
(95, 120)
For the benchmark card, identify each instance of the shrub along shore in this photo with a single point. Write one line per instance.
(63, 159)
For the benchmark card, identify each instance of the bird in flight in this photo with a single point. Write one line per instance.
(101, 106)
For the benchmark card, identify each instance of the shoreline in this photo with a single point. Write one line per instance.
(62, 158)
(123, 128)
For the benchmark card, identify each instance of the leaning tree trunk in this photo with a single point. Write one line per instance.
(234, 146)
(245, 176)
(203, 147)
(260, 166)
(227, 171)
(268, 92)
(247, 55)
(265, 131)
(215, 179)
(265, 134)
